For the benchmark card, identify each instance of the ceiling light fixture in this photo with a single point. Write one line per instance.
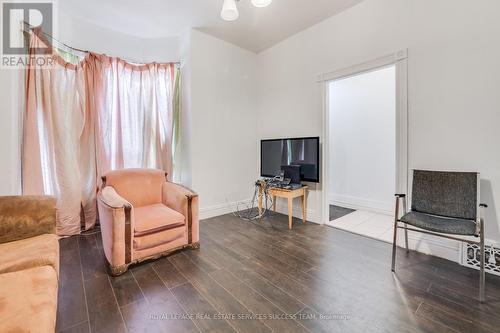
(261, 3)
(230, 11)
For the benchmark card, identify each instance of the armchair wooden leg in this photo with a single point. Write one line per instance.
(194, 246)
(117, 271)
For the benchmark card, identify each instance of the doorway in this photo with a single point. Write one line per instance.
(364, 147)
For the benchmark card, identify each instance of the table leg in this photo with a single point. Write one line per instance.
(290, 213)
(274, 203)
(304, 208)
(260, 200)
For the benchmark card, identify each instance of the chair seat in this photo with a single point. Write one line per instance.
(155, 218)
(440, 224)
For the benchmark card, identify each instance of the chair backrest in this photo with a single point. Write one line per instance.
(140, 187)
(450, 194)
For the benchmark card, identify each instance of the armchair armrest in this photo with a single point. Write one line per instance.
(174, 195)
(184, 201)
(116, 219)
(112, 199)
(26, 216)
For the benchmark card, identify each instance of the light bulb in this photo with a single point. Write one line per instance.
(229, 11)
(261, 3)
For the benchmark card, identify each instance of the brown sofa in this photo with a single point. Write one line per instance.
(144, 216)
(29, 264)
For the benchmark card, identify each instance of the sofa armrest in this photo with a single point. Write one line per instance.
(26, 216)
(184, 201)
(116, 220)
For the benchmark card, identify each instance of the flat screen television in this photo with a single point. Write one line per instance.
(275, 154)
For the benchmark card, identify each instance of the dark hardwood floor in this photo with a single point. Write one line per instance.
(251, 277)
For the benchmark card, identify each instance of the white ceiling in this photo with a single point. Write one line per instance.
(257, 28)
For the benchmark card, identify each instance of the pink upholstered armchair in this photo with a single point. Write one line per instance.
(144, 216)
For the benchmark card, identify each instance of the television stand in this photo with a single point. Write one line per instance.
(276, 192)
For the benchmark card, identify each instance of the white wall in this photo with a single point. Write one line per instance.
(183, 163)
(453, 80)
(87, 36)
(362, 146)
(224, 145)
(10, 168)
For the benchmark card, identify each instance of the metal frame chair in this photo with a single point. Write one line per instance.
(479, 226)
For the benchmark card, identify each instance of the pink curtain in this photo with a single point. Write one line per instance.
(54, 133)
(134, 110)
(86, 119)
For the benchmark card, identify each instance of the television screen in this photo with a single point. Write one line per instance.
(276, 155)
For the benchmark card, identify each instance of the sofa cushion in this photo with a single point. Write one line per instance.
(155, 218)
(30, 252)
(28, 300)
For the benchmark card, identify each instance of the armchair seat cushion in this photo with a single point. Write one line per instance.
(155, 218)
(440, 224)
(159, 238)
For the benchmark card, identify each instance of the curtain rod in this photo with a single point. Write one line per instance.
(26, 24)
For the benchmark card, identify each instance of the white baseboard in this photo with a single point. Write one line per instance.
(440, 247)
(311, 216)
(221, 209)
(230, 207)
(358, 203)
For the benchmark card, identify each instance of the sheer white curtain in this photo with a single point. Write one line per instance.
(134, 115)
(58, 153)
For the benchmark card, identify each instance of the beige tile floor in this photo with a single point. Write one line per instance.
(369, 224)
(381, 227)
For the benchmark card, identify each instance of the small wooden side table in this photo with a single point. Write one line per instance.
(276, 192)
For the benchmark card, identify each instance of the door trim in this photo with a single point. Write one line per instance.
(400, 60)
